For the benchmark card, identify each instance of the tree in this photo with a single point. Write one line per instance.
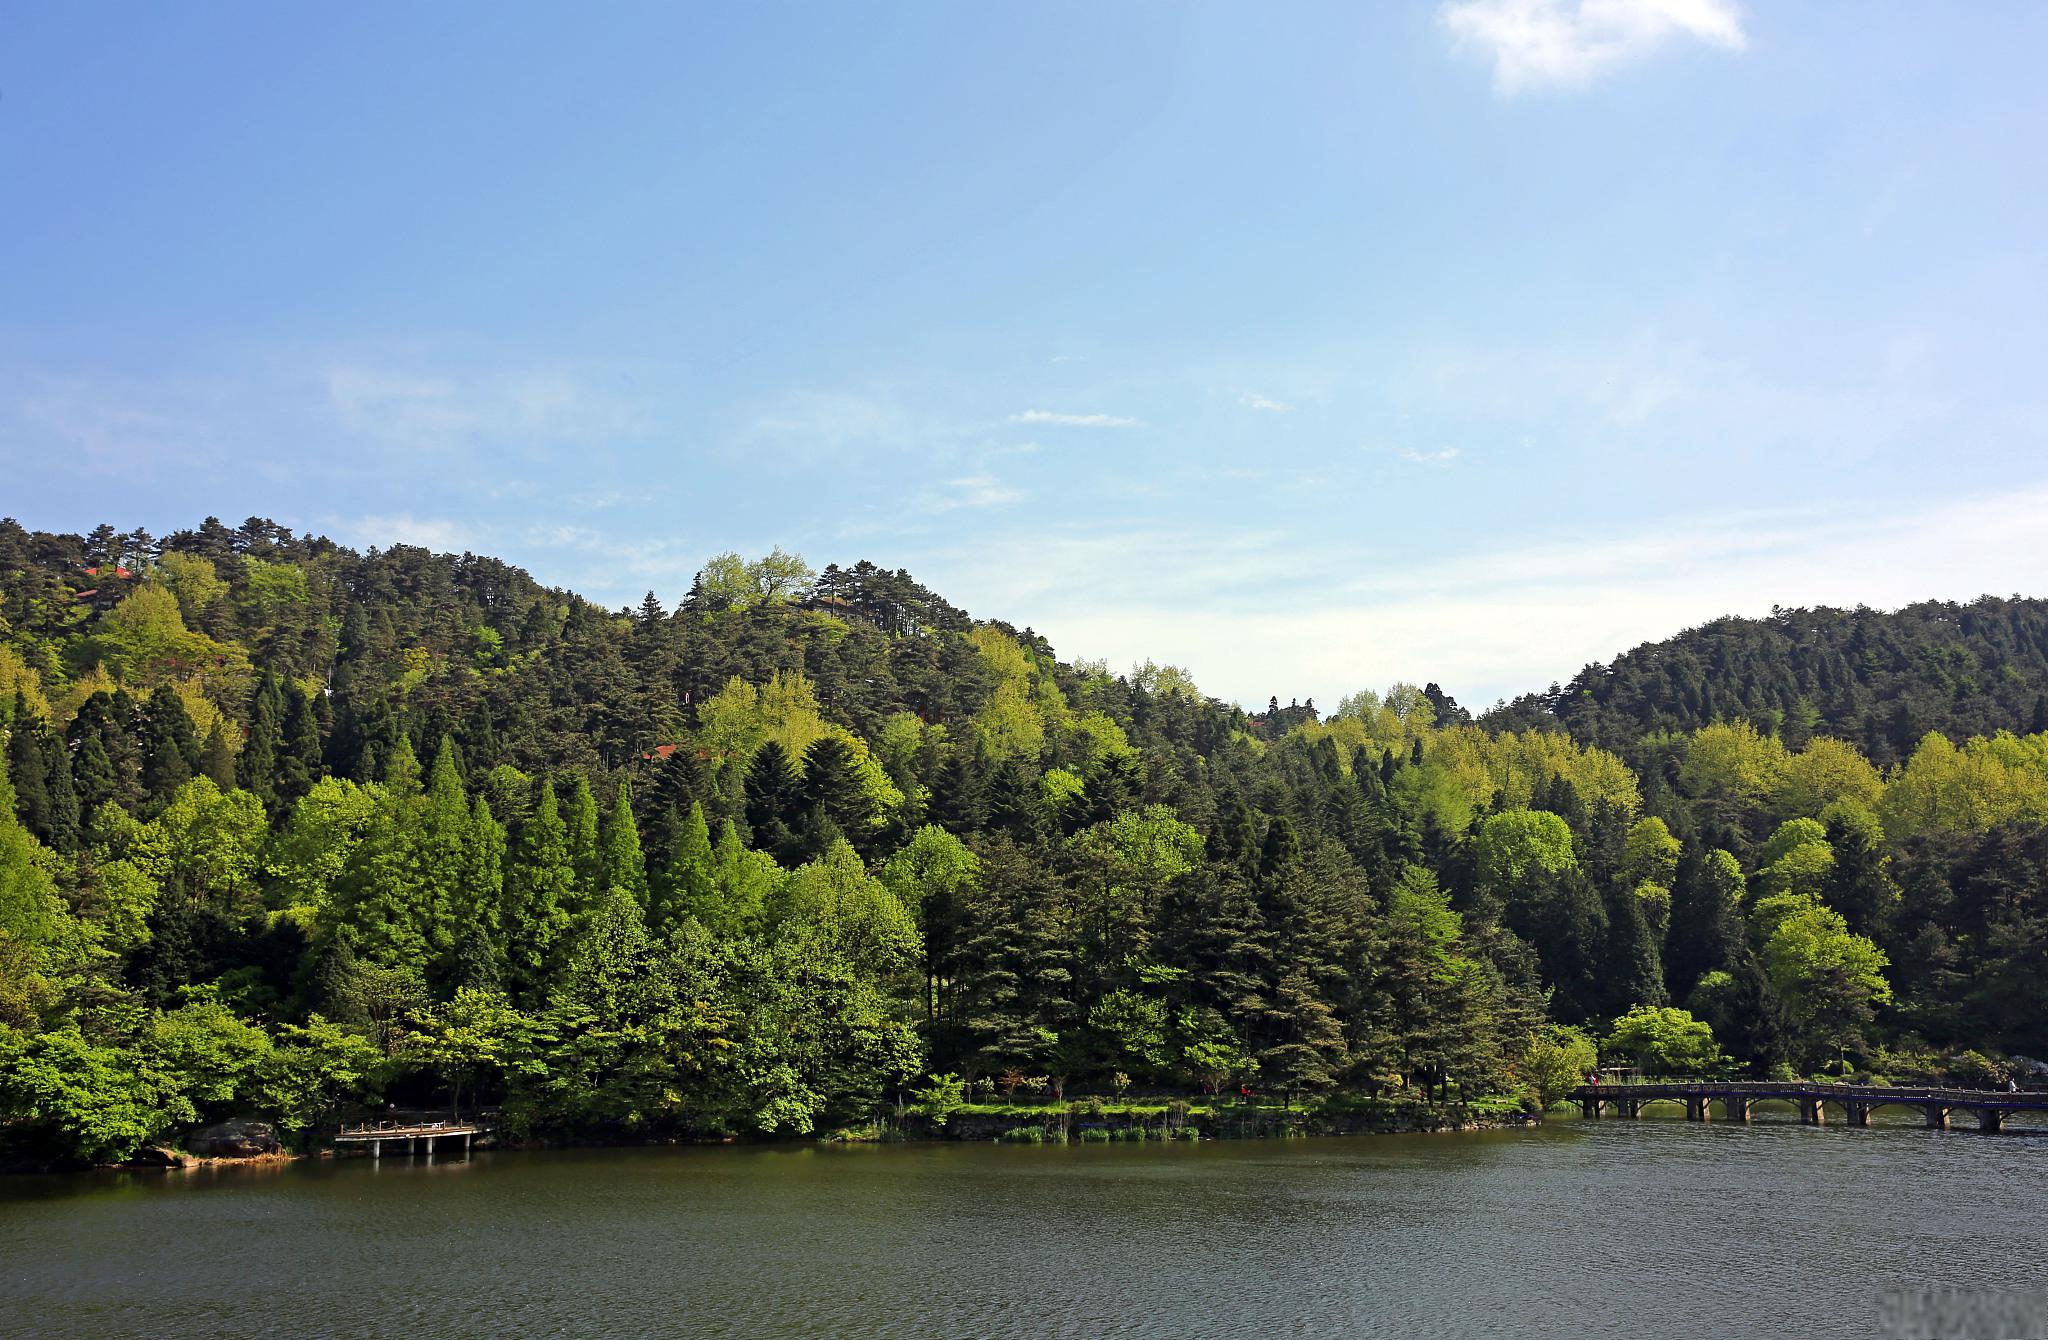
(586, 861)
(774, 793)
(689, 887)
(1829, 977)
(1516, 849)
(1664, 1040)
(833, 901)
(1556, 1060)
(940, 1099)
(83, 1102)
(933, 875)
(1706, 921)
(170, 748)
(258, 767)
(621, 865)
(40, 769)
(539, 890)
(465, 1040)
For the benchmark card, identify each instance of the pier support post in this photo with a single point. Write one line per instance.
(1990, 1120)
(1736, 1109)
(1858, 1113)
(1811, 1113)
(465, 1144)
(1696, 1109)
(1937, 1117)
(376, 1150)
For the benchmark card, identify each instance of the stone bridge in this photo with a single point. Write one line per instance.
(1854, 1101)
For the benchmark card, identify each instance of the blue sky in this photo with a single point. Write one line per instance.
(1308, 346)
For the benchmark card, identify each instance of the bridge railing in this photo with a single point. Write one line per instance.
(1680, 1086)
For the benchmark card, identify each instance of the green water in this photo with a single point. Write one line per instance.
(1575, 1229)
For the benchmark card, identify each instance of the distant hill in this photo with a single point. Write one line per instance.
(1879, 679)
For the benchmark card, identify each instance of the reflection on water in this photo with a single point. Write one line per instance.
(1609, 1228)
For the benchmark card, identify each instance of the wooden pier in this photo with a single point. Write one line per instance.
(377, 1134)
(1855, 1101)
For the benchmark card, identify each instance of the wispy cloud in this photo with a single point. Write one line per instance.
(424, 411)
(1438, 459)
(1491, 624)
(1075, 420)
(982, 490)
(441, 534)
(1253, 400)
(1569, 44)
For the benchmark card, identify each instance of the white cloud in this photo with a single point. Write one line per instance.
(1489, 624)
(1253, 400)
(1075, 420)
(440, 534)
(1433, 458)
(426, 412)
(970, 491)
(1536, 44)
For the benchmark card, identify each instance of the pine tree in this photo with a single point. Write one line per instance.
(619, 847)
(479, 906)
(579, 817)
(959, 798)
(1859, 884)
(217, 757)
(688, 887)
(1632, 971)
(774, 799)
(256, 771)
(1706, 921)
(299, 761)
(540, 888)
(29, 768)
(1015, 804)
(832, 783)
(92, 774)
(1016, 991)
(170, 749)
(1305, 1051)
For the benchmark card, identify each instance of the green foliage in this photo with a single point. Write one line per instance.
(1664, 1040)
(849, 837)
(1556, 1060)
(940, 1099)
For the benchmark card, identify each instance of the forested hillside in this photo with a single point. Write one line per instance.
(1879, 680)
(288, 828)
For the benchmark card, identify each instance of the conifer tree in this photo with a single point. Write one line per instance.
(959, 794)
(619, 847)
(1633, 971)
(774, 799)
(170, 749)
(579, 818)
(299, 759)
(689, 886)
(1706, 921)
(29, 768)
(540, 890)
(832, 784)
(217, 757)
(256, 770)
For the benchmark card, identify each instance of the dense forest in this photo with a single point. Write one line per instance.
(288, 830)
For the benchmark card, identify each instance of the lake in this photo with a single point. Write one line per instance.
(1576, 1228)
